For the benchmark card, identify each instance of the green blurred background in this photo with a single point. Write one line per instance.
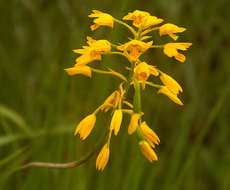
(40, 105)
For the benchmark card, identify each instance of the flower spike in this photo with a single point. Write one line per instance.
(137, 75)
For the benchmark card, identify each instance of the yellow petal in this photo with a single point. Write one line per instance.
(84, 70)
(80, 51)
(149, 135)
(170, 83)
(170, 50)
(142, 71)
(147, 151)
(90, 40)
(180, 57)
(133, 123)
(164, 90)
(95, 13)
(101, 46)
(135, 14)
(94, 27)
(119, 75)
(153, 70)
(103, 157)
(173, 36)
(150, 21)
(85, 126)
(116, 121)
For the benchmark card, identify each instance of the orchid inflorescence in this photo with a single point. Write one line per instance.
(139, 73)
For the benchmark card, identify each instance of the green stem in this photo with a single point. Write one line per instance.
(60, 165)
(139, 34)
(64, 165)
(137, 97)
(137, 106)
(127, 84)
(111, 72)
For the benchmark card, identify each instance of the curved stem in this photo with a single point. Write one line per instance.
(128, 111)
(110, 72)
(149, 30)
(62, 165)
(121, 53)
(66, 165)
(129, 27)
(128, 104)
(153, 85)
(118, 53)
(98, 109)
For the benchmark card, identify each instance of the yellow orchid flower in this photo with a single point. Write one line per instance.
(103, 157)
(116, 121)
(135, 48)
(111, 101)
(147, 151)
(88, 55)
(170, 49)
(142, 19)
(164, 90)
(102, 19)
(142, 72)
(85, 126)
(170, 83)
(99, 45)
(93, 51)
(149, 135)
(171, 29)
(133, 123)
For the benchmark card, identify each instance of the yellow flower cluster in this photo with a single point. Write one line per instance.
(139, 74)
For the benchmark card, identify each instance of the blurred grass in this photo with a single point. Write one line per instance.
(40, 105)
